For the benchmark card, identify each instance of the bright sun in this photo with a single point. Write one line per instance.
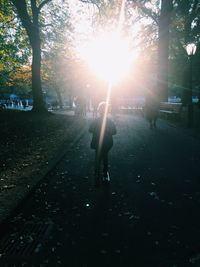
(108, 56)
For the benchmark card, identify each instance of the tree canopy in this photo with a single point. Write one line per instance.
(38, 35)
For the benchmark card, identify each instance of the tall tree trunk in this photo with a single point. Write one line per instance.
(31, 24)
(163, 49)
(38, 102)
(59, 96)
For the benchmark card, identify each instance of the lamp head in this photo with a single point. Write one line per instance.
(191, 49)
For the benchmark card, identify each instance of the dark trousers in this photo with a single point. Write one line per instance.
(101, 156)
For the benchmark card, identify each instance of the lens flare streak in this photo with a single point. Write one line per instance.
(124, 61)
(103, 127)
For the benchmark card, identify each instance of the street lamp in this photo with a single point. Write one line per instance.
(191, 49)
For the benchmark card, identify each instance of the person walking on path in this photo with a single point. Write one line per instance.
(103, 129)
(151, 109)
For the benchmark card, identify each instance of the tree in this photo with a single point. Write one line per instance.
(58, 51)
(170, 36)
(178, 23)
(184, 29)
(159, 12)
(45, 28)
(14, 47)
(30, 21)
(163, 48)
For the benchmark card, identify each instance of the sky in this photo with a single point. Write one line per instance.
(107, 60)
(106, 53)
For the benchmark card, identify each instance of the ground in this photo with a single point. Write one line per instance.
(148, 216)
(29, 146)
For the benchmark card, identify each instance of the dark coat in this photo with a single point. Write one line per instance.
(107, 135)
(151, 108)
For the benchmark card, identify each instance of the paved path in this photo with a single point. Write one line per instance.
(147, 216)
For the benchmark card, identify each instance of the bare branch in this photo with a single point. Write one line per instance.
(146, 10)
(195, 7)
(43, 4)
(46, 25)
(94, 2)
(21, 7)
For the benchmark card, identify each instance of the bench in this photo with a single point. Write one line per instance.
(130, 109)
(170, 110)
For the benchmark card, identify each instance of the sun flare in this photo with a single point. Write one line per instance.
(108, 56)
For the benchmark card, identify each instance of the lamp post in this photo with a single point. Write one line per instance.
(191, 49)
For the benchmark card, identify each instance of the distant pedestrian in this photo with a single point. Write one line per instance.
(81, 106)
(151, 109)
(103, 129)
(24, 103)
